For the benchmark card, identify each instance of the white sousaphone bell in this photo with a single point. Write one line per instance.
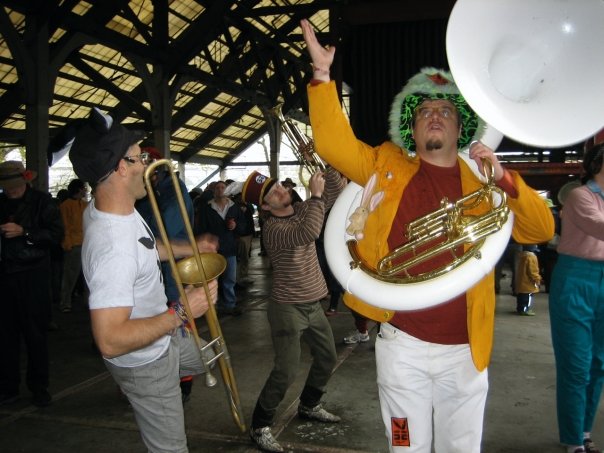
(533, 69)
(530, 69)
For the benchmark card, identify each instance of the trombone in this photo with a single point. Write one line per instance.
(197, 270)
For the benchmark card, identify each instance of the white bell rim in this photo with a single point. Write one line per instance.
(531, 68)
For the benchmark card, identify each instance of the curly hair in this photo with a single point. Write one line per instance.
(592, 162)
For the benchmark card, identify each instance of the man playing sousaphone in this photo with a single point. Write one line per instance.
(431, 364)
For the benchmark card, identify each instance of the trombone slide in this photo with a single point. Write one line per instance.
(199, 276)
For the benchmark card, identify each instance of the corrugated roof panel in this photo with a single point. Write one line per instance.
(181, 15)
(76, 90)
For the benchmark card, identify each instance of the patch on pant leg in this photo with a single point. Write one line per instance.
(400, 432)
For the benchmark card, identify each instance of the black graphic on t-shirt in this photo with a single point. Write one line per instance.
(148, 242)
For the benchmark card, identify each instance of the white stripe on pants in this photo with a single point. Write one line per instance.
(417, 381)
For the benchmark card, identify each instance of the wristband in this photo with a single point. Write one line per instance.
(176, 308)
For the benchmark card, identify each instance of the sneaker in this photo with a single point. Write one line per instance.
(317, 413)
(331, 312)
(41, 398)
(263, 438)
(356, 337)
(527, 313)
(590, 446)
(65, 309)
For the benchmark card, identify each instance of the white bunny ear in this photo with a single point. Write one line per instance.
(368, 190)
(375, 200)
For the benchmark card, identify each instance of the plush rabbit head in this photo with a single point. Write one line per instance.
(369, 202)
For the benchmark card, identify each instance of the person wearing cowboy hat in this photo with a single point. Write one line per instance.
(431, 363)
(30, 224)
(289, 185)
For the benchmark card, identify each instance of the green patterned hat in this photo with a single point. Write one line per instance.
(431, 83)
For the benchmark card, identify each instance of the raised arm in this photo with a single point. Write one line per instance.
(322, 58)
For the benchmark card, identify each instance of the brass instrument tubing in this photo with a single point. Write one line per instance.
(211, 317)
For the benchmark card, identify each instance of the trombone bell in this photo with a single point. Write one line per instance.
(213, 265)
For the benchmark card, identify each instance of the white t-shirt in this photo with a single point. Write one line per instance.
(122, 269)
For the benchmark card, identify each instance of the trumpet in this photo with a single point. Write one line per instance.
(302, 145)
(198, 270)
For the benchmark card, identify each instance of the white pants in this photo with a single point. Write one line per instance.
(420, 382)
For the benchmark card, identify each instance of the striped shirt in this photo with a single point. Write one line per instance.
(290, 244)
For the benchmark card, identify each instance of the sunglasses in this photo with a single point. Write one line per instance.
(145, 158)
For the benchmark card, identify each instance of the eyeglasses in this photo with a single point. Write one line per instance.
(145, 158)
(428, 112)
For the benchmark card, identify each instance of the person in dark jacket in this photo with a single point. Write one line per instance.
(222, 217)
(244, 242)
(30, 225)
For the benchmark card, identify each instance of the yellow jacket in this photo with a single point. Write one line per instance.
(71, 214)
(527, 276)
(335, 142)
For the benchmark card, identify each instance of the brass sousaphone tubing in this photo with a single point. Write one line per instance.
(198, 270)
(453, 225)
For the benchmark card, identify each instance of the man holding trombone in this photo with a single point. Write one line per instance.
(142, 341)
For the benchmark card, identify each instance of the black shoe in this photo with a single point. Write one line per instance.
(8, 398)
(235, 311)
(41, 398)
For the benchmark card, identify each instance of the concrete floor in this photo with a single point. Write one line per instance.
(88, 414)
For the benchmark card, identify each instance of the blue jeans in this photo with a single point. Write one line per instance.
(227, 283)
(576, 305)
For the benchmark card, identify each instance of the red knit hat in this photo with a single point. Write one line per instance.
(256, 187)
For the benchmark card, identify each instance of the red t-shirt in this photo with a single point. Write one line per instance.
(446, 323)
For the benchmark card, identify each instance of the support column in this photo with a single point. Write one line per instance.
(38, 98)
(274, 133)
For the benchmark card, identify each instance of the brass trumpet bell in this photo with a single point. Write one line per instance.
(213, 265)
